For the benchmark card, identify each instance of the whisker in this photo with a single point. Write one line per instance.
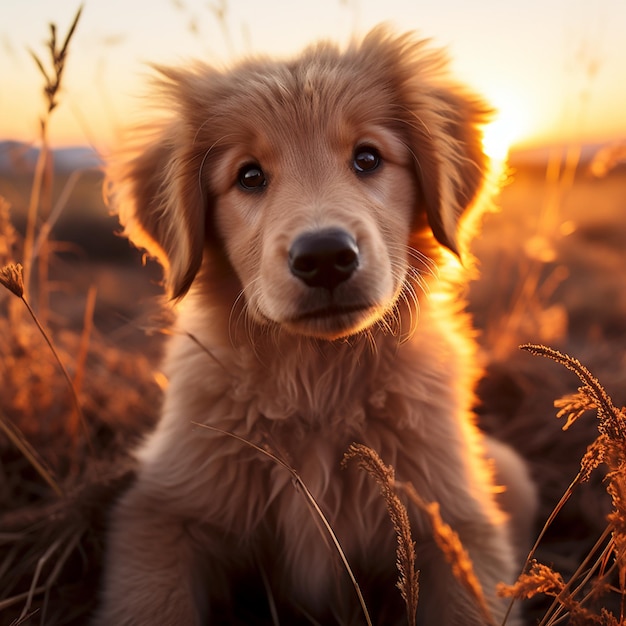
(205, 156)
(371, 341)
(245, 317)
(241, 305)
(429, 265)
(413, 305)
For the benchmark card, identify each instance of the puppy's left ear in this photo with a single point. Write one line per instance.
(450, 161)
(154, 186)
(153, 190)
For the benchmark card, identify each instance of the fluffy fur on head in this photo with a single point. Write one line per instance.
(164, 187)
(300, 210)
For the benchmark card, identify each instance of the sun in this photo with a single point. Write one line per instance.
(510, 125)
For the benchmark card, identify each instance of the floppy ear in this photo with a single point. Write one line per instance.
(440, 122)
(154, 187)
(450, 161)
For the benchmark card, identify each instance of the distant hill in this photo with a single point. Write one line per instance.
(17, 157)
(595, 158)
(20, 157)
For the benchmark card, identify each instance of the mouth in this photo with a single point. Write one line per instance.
(331, 311)
(333, 321)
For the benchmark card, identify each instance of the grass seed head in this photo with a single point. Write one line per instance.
(539, 579)
(408, 579)
(11, 278)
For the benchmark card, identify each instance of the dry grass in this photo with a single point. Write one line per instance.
(41, 194)
(57, 481)
(11, 278)
(603, 571)
(67, 414)
(408, 580)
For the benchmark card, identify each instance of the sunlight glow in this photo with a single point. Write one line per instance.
(510, 125)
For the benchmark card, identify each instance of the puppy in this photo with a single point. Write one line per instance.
(302, 210)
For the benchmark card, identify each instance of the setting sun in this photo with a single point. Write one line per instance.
(509, 126)
(544, 92)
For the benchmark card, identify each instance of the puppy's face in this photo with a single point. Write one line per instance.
(315, 217)
(318, 179)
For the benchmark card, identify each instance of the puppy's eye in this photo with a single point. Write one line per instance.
(366, 159)
(251, 177)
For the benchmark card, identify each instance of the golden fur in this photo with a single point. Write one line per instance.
(244, 172)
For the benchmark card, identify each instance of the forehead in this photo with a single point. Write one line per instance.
(317, 97)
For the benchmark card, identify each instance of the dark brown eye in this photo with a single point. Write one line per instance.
(251, 177)
(366, 159)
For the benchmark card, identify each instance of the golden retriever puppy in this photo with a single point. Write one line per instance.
(302, 210)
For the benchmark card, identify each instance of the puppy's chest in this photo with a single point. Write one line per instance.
(296, 398)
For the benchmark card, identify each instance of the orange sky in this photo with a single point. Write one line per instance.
(553, 67)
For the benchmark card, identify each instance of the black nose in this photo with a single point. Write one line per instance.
(324, 258)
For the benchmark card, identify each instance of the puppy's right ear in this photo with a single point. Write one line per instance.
(154, 189)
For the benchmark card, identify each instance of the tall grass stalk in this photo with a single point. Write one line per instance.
(408, 580)
(41, 190)
(11, 277)
(81, 360)
(29, 453)
(607, 558)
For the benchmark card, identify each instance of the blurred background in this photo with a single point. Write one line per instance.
(553, 67)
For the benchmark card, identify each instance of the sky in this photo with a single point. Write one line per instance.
(556, 69)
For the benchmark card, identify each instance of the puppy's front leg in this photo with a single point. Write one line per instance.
(149, 571)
